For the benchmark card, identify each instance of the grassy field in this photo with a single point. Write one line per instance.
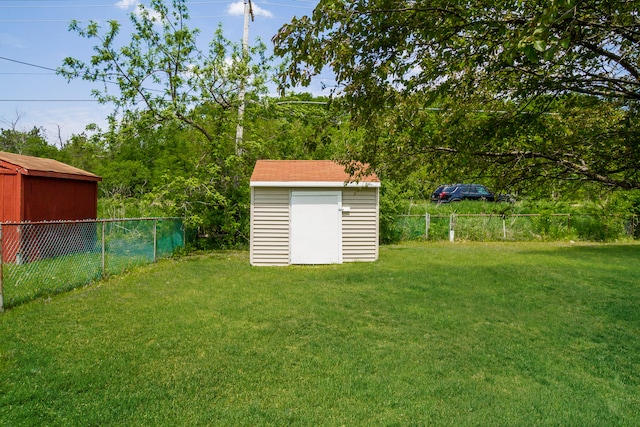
(431, 334)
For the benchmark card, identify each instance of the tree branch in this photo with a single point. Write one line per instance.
(630, 68)
(579, 168)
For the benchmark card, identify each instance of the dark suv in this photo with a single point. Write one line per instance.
(435, 196)
(458, 192)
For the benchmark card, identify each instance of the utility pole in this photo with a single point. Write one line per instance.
(248, 11)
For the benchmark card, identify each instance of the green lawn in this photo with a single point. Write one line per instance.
(431, 334)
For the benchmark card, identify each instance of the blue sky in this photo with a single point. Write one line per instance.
(34, 38)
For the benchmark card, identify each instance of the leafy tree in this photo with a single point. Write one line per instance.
(297, 126)
(171, 143)
(163, 70)
(125, 178)
(172, 136)
(30, 143)
(487, 85)
(85, 151)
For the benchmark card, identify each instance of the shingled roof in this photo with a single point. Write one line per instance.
(36, 166)
(298, 173)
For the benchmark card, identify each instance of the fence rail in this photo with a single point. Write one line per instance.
(43, 258)
(516, 227)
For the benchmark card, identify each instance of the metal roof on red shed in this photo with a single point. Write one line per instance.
(36, 166)
(307, 172)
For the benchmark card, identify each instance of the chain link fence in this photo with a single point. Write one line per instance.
(516, 227)
(44, 258)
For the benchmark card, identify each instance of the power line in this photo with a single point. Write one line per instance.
(289, 5)
(51, 100)
(27, 63)
(56, 71)
(50, 6)
(27, 74)
(81, 6)
(66, 21)
(20, 21)
(48, 100)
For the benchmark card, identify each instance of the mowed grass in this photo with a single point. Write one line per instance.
(431, 334)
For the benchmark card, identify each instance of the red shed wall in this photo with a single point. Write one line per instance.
(9, 197)
(51, 199)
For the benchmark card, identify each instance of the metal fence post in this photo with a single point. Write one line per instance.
(452, 223)
(155, 238)
(104, 267)
(504, 227)
(1, 274)
(427, 225)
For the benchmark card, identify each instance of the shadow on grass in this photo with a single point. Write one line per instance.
(46, 278)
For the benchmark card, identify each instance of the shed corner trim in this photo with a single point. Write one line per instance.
(307, 184)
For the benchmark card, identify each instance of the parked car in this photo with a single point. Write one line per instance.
(435, 196)
(459, 192)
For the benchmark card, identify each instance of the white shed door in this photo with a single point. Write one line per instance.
(316, 227)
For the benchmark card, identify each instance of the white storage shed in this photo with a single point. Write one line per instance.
(312, 212)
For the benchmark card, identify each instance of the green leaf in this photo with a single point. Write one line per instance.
(531, 53)
(540, 45)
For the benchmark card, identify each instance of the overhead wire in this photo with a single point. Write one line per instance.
(55, 71)
(49, 5)
(27, 63)
(48, 100)
(27, 74)
(22, 5)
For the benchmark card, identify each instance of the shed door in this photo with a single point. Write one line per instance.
(316, 227)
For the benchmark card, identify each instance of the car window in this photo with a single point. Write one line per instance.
(483, 190)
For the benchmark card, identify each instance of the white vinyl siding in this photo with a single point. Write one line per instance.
(269, 226)
(360, 225)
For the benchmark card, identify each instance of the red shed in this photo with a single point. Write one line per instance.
(33, 189)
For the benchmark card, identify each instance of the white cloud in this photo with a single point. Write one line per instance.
(258, 11)
(237, 9)
(139, 8)
(153, 15)
(127, 4)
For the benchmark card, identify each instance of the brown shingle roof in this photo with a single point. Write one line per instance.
(304, 171)
(28, 165)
